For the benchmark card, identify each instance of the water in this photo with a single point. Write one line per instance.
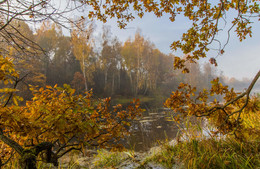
(154, 126)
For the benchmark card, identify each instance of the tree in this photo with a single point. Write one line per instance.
(111, 63)
(58, 61)
(209, 74)
(26, 63)
(107, 57)
(137, 54)
(82, 49)
(31, 12)
(48, 39)
(205, 18)
(78, 82)
(193, 77)
(56, 118)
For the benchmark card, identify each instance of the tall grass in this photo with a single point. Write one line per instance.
(212, 153)
(105, 159)
(195, 150)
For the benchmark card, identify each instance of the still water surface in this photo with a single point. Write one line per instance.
(153, 126)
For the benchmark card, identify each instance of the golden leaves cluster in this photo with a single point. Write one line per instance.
(57, 113)
(188, 102)
(7, 70)
(7, 76)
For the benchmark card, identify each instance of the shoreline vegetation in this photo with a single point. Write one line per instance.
(59, 71)
(195, 147)
(192, 152)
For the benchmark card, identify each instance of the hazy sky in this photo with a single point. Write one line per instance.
(240, 60)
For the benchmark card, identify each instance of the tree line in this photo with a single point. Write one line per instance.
(104, 64)
(35, 130)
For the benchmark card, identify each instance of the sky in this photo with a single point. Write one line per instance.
(240, 60)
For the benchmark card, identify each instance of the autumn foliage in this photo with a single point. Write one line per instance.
(227, 116)
(57, 118)
(206, 19)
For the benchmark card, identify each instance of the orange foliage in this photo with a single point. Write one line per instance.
(57, 116)
(225, 116)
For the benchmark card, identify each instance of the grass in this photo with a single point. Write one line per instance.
(197, 151)
(105, 159)
(212, 153)
(166, 157)
(209, 153)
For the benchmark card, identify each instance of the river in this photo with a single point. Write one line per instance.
(154, 126)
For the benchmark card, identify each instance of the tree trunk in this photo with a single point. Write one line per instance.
(28, 156)
(84, 74)
(28, 160)
(105, 87)
(113, 84)
(119, 80)
(131, 82)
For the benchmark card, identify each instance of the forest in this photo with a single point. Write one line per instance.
(111, 68)
(59, 77)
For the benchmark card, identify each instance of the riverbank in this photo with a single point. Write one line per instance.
(207, 153)
(195, 148)
(126, 159)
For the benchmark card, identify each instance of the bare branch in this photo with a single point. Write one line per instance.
(2, 2)
(19, 149)
(15, 85)
(246, 93)
(70, 149)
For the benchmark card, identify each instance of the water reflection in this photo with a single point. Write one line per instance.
(153, 126)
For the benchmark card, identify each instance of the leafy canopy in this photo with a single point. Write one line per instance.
(207, 18)
(58, 118)
(56, 113)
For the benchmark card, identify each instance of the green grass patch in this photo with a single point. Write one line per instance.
(194, 150)
(106, 159)
(210, 153)
(165, 157)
